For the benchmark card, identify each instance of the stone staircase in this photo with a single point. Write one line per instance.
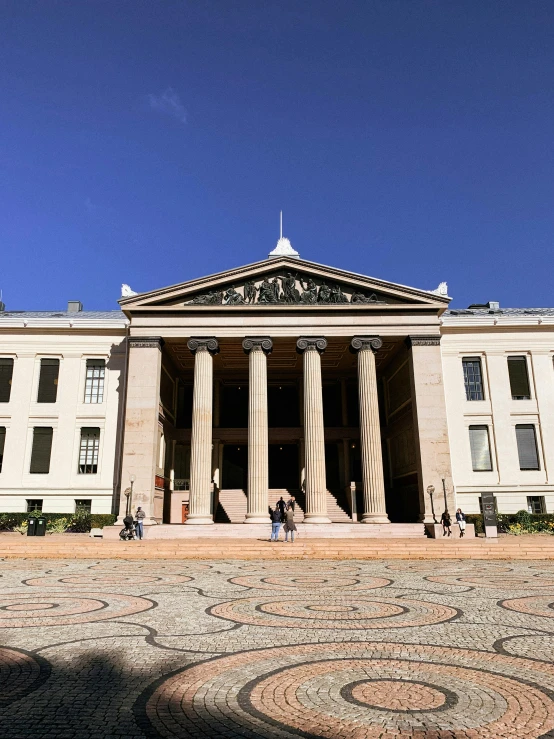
(232, 505)
(338, 509)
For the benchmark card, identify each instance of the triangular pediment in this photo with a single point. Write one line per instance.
(282, 283)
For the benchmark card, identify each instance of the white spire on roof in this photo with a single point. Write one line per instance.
(284, 247)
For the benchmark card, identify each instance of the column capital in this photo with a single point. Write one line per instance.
(203, 344)
(422, 341)
(257, 343)
(311, 343)
(363, 343)
(146, 342)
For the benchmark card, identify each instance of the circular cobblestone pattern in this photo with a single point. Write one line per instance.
(174, 568)
(90, 579)
(455, 566)
(494, 581)
(360, 690)
(310, 582)
(20, 674)
(536, 605)
(334, 612)
(59, 609)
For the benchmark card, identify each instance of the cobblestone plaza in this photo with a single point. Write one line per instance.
(276, 649)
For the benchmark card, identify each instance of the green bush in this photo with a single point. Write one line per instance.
(521, 522)
(79, 522)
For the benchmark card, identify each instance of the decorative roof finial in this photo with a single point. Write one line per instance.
(284, 247)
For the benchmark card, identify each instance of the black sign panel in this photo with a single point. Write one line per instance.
(489, 509)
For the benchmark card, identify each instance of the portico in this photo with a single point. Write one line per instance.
(285, 377)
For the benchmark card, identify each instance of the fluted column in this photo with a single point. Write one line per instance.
(316, 485)
(375, 510)
(257, 504)
(201, 437)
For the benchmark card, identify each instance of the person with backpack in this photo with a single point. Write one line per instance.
(275, 523)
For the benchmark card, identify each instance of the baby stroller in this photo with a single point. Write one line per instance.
(128, 533)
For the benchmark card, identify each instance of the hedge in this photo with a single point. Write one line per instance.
(521, 522)
(76, 522)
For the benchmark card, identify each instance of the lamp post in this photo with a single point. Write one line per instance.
(444, 491)
(129, 494)
(431, 490)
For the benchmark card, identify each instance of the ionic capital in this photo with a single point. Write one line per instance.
(257, 343)
(146, 342)
(311, 343)
(203, 344)
(365, 343)
(423, 341)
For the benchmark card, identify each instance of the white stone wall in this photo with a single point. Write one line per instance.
(72, 346)
(493, 339)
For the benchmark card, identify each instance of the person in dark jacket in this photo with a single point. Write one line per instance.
(275, 523)
(461, 519)
(446, 523)
(282, 506)
(291, 503)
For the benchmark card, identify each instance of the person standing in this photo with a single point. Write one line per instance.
(140, 515)
(275, 523)
(461, 519)
(291, 503)
(282, 507)
(289, 526)
(446, 523)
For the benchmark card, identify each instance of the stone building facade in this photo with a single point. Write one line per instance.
(207, 400)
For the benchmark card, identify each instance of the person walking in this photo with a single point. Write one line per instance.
(291, 503)
(282, 506)
(446, 523)
(289, 526)
(140, 515)
(275, 523)
(461, 519)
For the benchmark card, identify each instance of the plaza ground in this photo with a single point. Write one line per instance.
(269, 648)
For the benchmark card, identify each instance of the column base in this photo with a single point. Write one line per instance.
(375, 518)
(316, 518)
(199, 520)
(257, 518)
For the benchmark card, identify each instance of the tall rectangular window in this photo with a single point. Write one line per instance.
(480, 448)
(94, 383)
(88, 453)
(2, 443)
(527, 447)
(6, 372)
(519, 378)
(42, 449)
(473, 378)
(48, 381)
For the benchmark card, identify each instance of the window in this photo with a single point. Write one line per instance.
(48, 381)
(480, 448)
(42, 448)
(94, 384)
(34, 506)
(535, 504)
(519, 379)
(88, 454)
(2, 442)
(527, 447)
(83, 506)
(6, 372)
(473, 378)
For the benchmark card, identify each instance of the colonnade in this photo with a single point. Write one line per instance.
(258, 348)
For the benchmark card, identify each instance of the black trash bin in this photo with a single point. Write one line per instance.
(32, 526)
(41, 526)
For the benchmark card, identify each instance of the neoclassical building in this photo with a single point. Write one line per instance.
(208, 400)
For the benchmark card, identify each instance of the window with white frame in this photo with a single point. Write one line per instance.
(473, 378)
(88, 452)
(94, 383)
(480, 448)
(519, 378)
(527, 447)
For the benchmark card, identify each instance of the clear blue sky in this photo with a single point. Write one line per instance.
(153, 141)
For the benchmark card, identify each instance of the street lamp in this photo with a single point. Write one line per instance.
(129, 494)
(431, 490)
(444, 491)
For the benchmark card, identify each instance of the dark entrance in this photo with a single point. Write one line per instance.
(332, 469)
(235, 467)
(283, 466)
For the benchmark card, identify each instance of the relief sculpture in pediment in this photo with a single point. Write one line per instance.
(286, 289)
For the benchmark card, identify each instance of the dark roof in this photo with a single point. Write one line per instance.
(481, 312)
